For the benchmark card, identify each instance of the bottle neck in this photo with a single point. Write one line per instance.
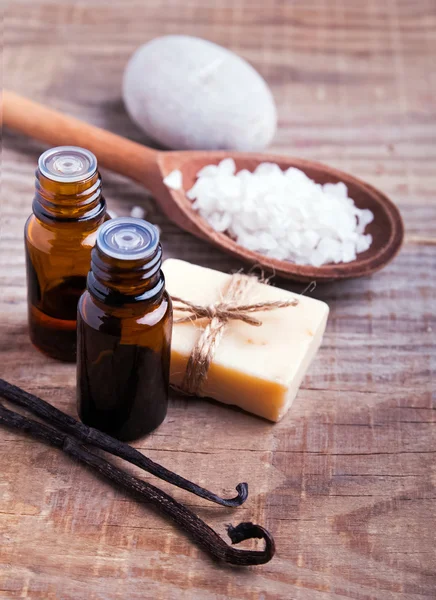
(118, 282)
(79, 201)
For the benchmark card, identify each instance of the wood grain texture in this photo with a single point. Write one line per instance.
(347, 481)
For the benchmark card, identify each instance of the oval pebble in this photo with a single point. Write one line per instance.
(188, 93)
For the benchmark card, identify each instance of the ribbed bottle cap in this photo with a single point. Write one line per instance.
(127, 238)
(67, 164)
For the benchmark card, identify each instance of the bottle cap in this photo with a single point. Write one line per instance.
(127, 238)
(67, 164)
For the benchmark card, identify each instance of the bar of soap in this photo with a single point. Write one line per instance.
(258, 369)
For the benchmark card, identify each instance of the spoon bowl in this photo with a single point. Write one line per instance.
(149, 167)
(387, 228)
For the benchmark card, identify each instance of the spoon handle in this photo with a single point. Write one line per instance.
(112, 151)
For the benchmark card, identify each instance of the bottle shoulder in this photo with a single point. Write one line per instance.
(73, 235)
(139, 315)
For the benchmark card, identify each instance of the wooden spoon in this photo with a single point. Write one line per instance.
(149, 167)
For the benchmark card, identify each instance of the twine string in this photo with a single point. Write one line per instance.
(218, 315)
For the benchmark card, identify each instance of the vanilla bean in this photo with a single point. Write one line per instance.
(105, 442)
(203, 535)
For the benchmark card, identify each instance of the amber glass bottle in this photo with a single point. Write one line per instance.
(124, 329)
(68, 208)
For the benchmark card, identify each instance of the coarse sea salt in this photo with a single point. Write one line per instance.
(281, 214)
(174, 180)
(138, 212)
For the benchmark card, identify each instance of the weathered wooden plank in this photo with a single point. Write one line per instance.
(347, 481)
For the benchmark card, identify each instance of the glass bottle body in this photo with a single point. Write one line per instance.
(124, 327)
(123, 366)
(59, 237)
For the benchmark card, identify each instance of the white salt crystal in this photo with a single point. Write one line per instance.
(363, 243)
(220, 221)
(227, 167)
(365, 217)
(316, 259)
(338, 190)
(249, 241)
(295, 239)
(310, 238)
(299, 178)
(137, 212)
(244, 174)
(348, 252)
(267, 242)
(208, 171)
(268, 169)
(174, 180)
(228, 186)
(330, 249)
(282, 214)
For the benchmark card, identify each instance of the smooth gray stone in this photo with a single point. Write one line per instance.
(188, 93)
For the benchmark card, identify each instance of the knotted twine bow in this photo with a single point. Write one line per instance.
(228, 308)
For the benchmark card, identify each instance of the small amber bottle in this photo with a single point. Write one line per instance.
(124, 327)
(68, 208)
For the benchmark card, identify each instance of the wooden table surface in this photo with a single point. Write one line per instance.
(347, 481)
